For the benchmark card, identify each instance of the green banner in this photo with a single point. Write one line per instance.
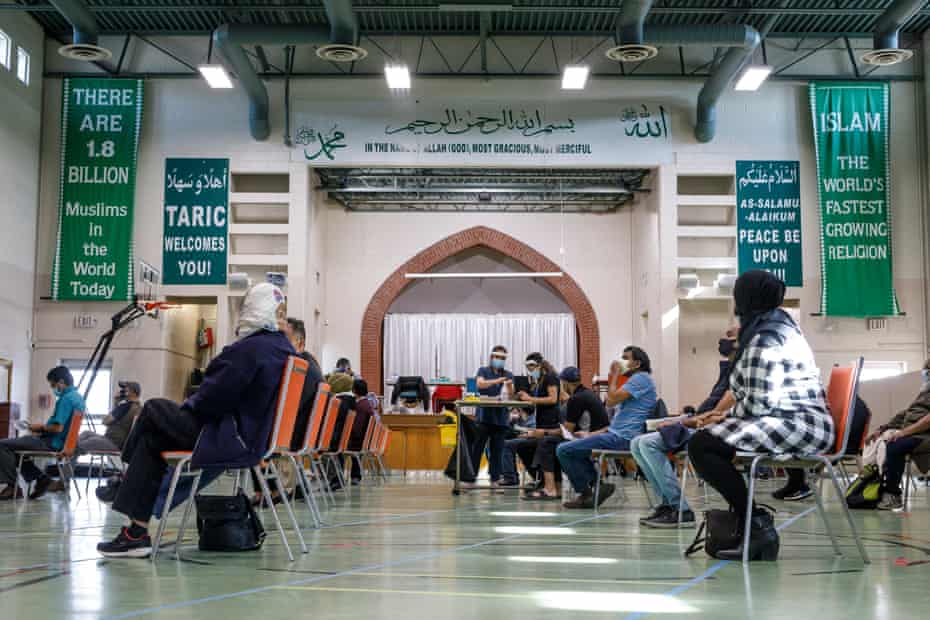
(195, 218)
(100, 123)
(768, 218)
(851, 135)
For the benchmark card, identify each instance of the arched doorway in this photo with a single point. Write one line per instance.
(372, 322)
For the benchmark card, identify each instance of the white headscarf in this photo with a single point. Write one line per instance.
(259, 310)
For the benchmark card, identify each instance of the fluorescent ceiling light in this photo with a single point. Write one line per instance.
(398, 76)
(524, 514)
(564, 531)
(489, 275)
(574, 77)
(544, 559)
(216, 76)
(752, 77)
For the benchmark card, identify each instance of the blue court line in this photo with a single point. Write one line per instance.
(345, 573)
(715, 568)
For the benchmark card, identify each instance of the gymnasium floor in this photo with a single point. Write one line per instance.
(411, 550)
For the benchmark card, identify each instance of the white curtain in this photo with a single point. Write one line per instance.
(456, 345)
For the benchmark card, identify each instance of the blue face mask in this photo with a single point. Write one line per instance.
(925, 374)
(57, 391)
(497, 363)
(534, 375)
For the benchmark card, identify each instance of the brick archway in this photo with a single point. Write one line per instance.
(372, 336)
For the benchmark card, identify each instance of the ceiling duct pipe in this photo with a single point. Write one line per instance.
(886, 50)
(337, 43)
(84, 32)
(742, 41)
(630, 42)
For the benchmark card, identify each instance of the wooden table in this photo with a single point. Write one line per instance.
(419, 446)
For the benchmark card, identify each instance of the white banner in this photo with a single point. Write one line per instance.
(481, 132)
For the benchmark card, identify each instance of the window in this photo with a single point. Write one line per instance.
(5, 46)
(874, 369)
(22, 65)
(100, 398)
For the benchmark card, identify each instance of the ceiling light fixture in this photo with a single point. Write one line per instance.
(574, 77)
(752, 77)
(216, 76)
(398, 77)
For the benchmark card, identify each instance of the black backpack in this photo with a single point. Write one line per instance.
(228, 523)
(724, 530)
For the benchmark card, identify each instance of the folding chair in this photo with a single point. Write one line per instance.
(380, 444)
(314, 455)
(358, 455)
(311, 436)
(103, 455)
(288, 402)
(337, 456)
(841, 398)
(62, 458)
(610, 457)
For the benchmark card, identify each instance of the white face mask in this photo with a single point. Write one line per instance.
(624, 366)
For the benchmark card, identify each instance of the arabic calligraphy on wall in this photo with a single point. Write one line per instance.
(474, 133)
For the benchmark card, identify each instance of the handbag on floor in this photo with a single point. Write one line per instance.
(866, 491)
(720, 530)
(228, 523)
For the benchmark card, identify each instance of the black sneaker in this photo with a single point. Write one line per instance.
(798, 495)
(41, 487)
(659, 510)
(787, 492)
(669, 520)
(607, 489)
(107, 493)
(125, 546)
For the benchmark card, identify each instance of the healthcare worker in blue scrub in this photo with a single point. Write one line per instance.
(493, 422)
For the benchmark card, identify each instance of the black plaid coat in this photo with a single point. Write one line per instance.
(781, 405)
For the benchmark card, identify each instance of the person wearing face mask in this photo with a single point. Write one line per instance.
(226, 422)
(544, 383)
(635, 400)
(779, 405)
(905, 434)
(493, 422)
(45, 437)
(651, 449)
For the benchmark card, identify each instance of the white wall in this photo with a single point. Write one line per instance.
(479, 296)
(355, 252)
(20, 132)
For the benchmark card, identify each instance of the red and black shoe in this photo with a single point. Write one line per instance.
(127, 546)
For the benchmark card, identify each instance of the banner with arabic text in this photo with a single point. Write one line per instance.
(195, 221)
(768, 218)
(851, 137)
(481, 132)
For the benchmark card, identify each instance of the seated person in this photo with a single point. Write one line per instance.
(228, 420)
(584, 413)
(118, 422)
(48, 436)
(364, 415)
(343, 369)
(651, 449)
(779, 406)
(909, 428)
(636, 398)
(545, 399)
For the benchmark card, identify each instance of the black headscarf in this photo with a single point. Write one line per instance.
(756, 294)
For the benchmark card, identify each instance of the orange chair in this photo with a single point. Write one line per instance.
(311, 436)
(322, 445)
(62, 458)
(379, 450)
(285, 415)
(337, 456)
(841, 398)
(360, 455)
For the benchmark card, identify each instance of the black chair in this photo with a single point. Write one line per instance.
(415, 385)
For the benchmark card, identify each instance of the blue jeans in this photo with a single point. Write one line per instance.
(575, 457)
(651, 456)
